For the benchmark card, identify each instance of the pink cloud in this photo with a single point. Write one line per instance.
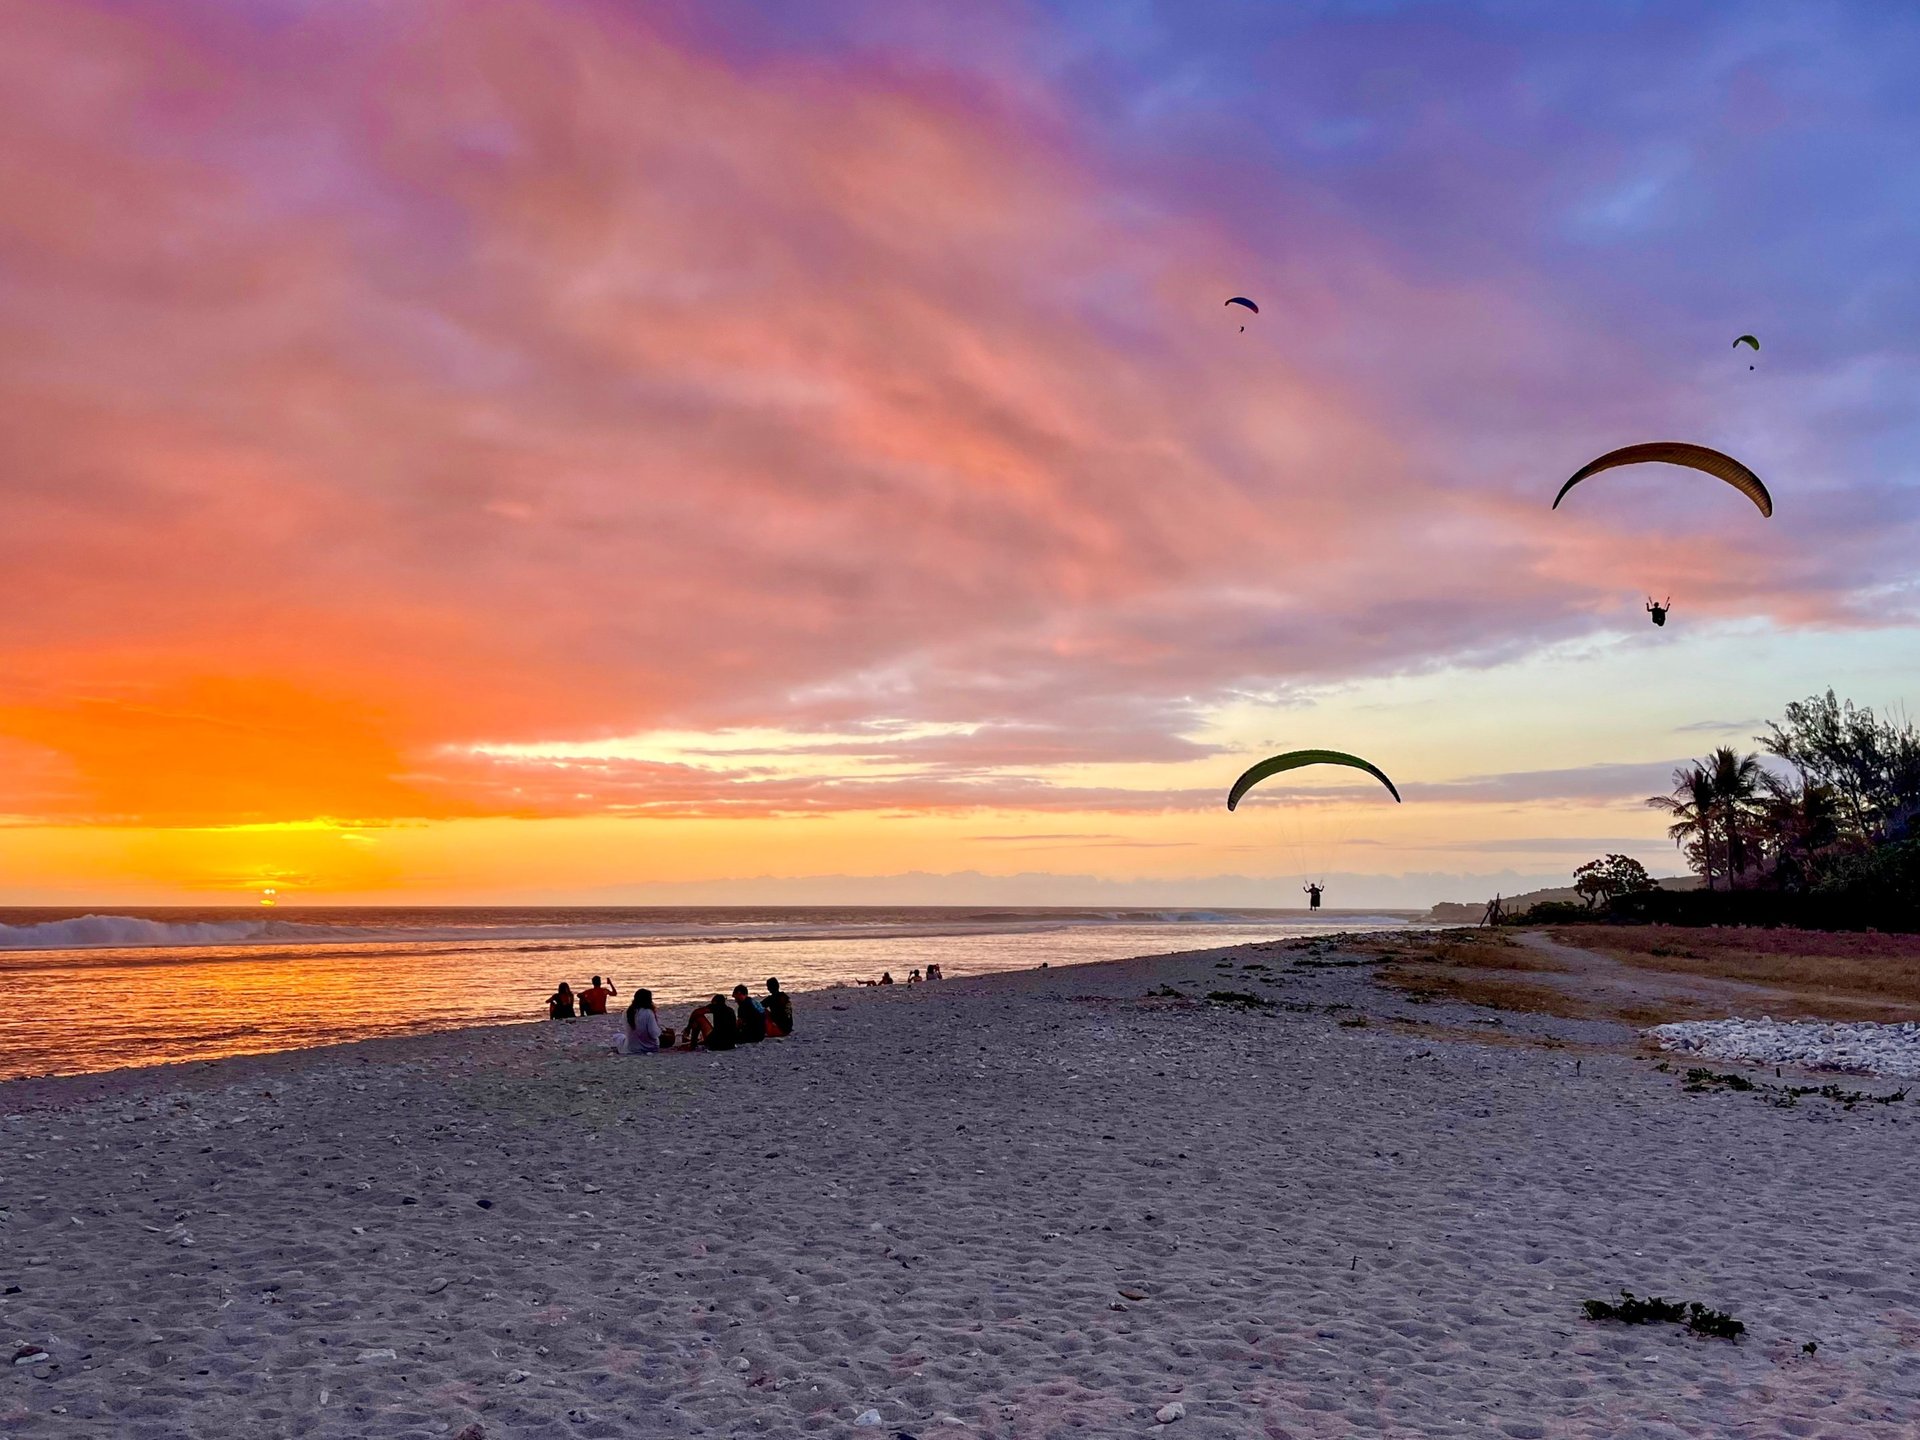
(414, 377)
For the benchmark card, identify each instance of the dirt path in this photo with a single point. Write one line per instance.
(1633, 990)
(1605, 981)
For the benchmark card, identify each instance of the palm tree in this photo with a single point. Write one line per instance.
(1691, 808)
(1714, 808)
(1736, 781)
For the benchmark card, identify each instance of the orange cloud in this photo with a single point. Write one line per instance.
(398, 380)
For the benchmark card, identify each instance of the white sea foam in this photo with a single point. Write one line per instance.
(1859, 1048)
(94, 932)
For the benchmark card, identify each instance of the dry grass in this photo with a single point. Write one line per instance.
(1491, 991)
(1472, 951)
(1818, 967)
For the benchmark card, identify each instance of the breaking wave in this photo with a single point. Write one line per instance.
(98, 932)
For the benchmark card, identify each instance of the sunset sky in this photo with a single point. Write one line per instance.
(601, 452)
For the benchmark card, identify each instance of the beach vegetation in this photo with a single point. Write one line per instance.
(1832, 818)
(1425, 984)
(1826, 974)
(1819, 827)
(1846, 1099)
(1632, 1310)
(1241, 999)
(1601, 881)
(1554, 912)
(1700, 1319)
(1717, 1323)
(1713, 813)
(1709, 1082)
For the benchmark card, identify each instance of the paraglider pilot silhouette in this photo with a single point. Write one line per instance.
(1294, 760)
(1659, 610)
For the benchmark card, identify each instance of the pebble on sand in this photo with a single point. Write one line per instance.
(1169, 1413)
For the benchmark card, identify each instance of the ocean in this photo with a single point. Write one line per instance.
(85, 992)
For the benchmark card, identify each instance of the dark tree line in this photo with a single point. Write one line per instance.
(1834, 813)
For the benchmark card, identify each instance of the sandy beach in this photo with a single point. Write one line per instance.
(1056, 1202)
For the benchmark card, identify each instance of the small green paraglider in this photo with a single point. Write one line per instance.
(1747, 340)
(1293, 760)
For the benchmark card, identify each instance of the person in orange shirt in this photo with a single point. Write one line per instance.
(593, 1001)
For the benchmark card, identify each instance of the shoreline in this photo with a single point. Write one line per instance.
(1040, 1202)
(274, 1062)
(197, 1002)
(429, 1030)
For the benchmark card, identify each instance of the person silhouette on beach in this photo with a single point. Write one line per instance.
(594, 1001)
(1313, 893)
(779, 1008)
(753, 1020)
(560, 1003)
(722, 1029)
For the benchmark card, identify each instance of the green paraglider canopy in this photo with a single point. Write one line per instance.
(1293, 760)
(1746, 340)
(1674, 452)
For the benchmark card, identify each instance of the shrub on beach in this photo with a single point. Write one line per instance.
(1701, 1320)
(1554, 912)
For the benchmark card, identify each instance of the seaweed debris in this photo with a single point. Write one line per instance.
(1699, 1319)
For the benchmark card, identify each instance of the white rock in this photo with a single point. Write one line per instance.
(867, 1417)
(1858, 1047)
(379, 1355)
(1167, 1414)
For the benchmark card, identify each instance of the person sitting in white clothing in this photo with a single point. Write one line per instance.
(642, 1025)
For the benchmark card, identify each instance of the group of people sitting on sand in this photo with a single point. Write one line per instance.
(592, 1000)
(715, 1025)
(913, 976)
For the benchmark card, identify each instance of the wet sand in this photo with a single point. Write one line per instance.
(1025, 1205)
